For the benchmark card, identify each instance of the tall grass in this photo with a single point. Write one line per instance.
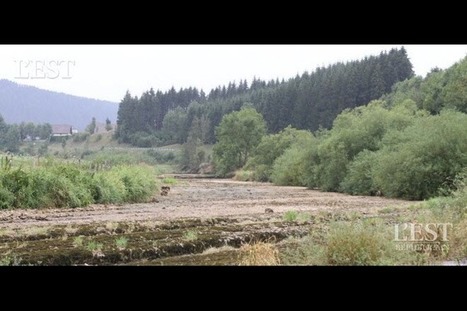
(61, 184)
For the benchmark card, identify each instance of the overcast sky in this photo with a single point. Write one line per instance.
(108, 71)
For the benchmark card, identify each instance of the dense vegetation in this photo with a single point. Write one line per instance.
(309, 101)
(410, 144)
(53, 183)
(238, 134)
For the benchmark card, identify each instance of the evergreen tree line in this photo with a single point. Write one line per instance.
(310, 101)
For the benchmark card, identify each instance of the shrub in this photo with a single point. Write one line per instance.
(272, 147)
(359, 179)
(289, 168)
(424, 157)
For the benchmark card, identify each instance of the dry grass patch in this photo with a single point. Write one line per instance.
(259, 254)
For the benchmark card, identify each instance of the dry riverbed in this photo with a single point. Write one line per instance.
(199, 222)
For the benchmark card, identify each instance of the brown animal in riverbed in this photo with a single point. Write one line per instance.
(268, 211)
(165, 190)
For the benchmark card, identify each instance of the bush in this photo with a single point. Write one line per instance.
(424, 157)
(359, 179)
(289, 168)
(272, 147)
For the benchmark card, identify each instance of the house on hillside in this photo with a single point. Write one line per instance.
(62, 130)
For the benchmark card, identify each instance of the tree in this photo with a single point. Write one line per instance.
(305, 102)
(108, 125)
(273, 146)
(12, 138)
(237, 135)
(91, 128)
(192, 152)
(3, 126)
(174, 124)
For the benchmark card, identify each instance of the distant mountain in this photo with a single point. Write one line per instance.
(20, 103)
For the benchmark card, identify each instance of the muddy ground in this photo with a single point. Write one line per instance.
(199, 222)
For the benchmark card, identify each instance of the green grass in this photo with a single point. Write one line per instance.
(169, 181)
(190, 235)
(94, 246)
(300, 217)
(78, 241)
(121, 242)
(290, 216)
(59, 183)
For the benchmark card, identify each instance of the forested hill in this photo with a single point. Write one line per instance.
(309, 101)
(21, 103)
